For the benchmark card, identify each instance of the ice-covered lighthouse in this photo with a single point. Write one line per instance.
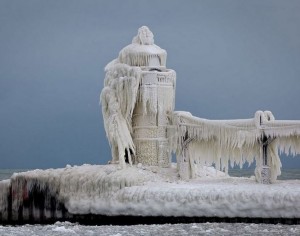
(142, 127)
(137, 102)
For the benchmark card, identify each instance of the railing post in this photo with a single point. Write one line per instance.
(265, 169)
(184, 165)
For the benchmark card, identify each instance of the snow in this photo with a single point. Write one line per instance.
(154, 191)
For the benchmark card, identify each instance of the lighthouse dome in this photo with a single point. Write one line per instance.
(143, 52)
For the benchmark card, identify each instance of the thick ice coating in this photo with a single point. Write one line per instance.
(146, 191)
(138, 103)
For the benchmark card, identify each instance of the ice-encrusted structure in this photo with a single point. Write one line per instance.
(63, 194)
(143, 130)
(206, 142)
(138, 102)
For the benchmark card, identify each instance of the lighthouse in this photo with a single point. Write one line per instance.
(137, 102)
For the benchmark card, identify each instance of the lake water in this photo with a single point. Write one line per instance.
(66, 228)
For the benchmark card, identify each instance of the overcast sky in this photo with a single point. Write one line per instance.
(232, 58)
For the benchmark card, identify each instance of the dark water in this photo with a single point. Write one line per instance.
(7, 173)
(285, 173)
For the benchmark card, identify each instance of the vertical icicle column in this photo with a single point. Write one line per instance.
(166, 104)
(268, 165)
(150, 118)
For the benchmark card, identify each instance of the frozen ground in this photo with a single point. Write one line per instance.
(66, 228)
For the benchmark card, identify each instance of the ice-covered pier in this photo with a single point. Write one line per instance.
(141, 182)
(107, 195)
(138, 101)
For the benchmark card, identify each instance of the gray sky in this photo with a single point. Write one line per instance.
(232, 57)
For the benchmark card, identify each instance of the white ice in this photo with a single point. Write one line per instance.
(195, 140)
(151, 191)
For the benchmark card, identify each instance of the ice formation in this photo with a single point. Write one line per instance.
(4, 192)
(143, 191)
(138, 102)
(143, 130)
(137, 98)
(206, 142)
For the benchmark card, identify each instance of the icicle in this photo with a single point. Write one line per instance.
(148, 97)
(118, 100)
(217, 141)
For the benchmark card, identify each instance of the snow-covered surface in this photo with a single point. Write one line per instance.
(154, 191)
(66, 228)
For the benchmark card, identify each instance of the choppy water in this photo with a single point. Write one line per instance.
(7, 173)
(66, 228)
(285, 173)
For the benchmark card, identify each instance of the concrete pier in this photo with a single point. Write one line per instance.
(106, 195)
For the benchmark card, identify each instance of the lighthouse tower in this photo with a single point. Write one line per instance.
(137, 101)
